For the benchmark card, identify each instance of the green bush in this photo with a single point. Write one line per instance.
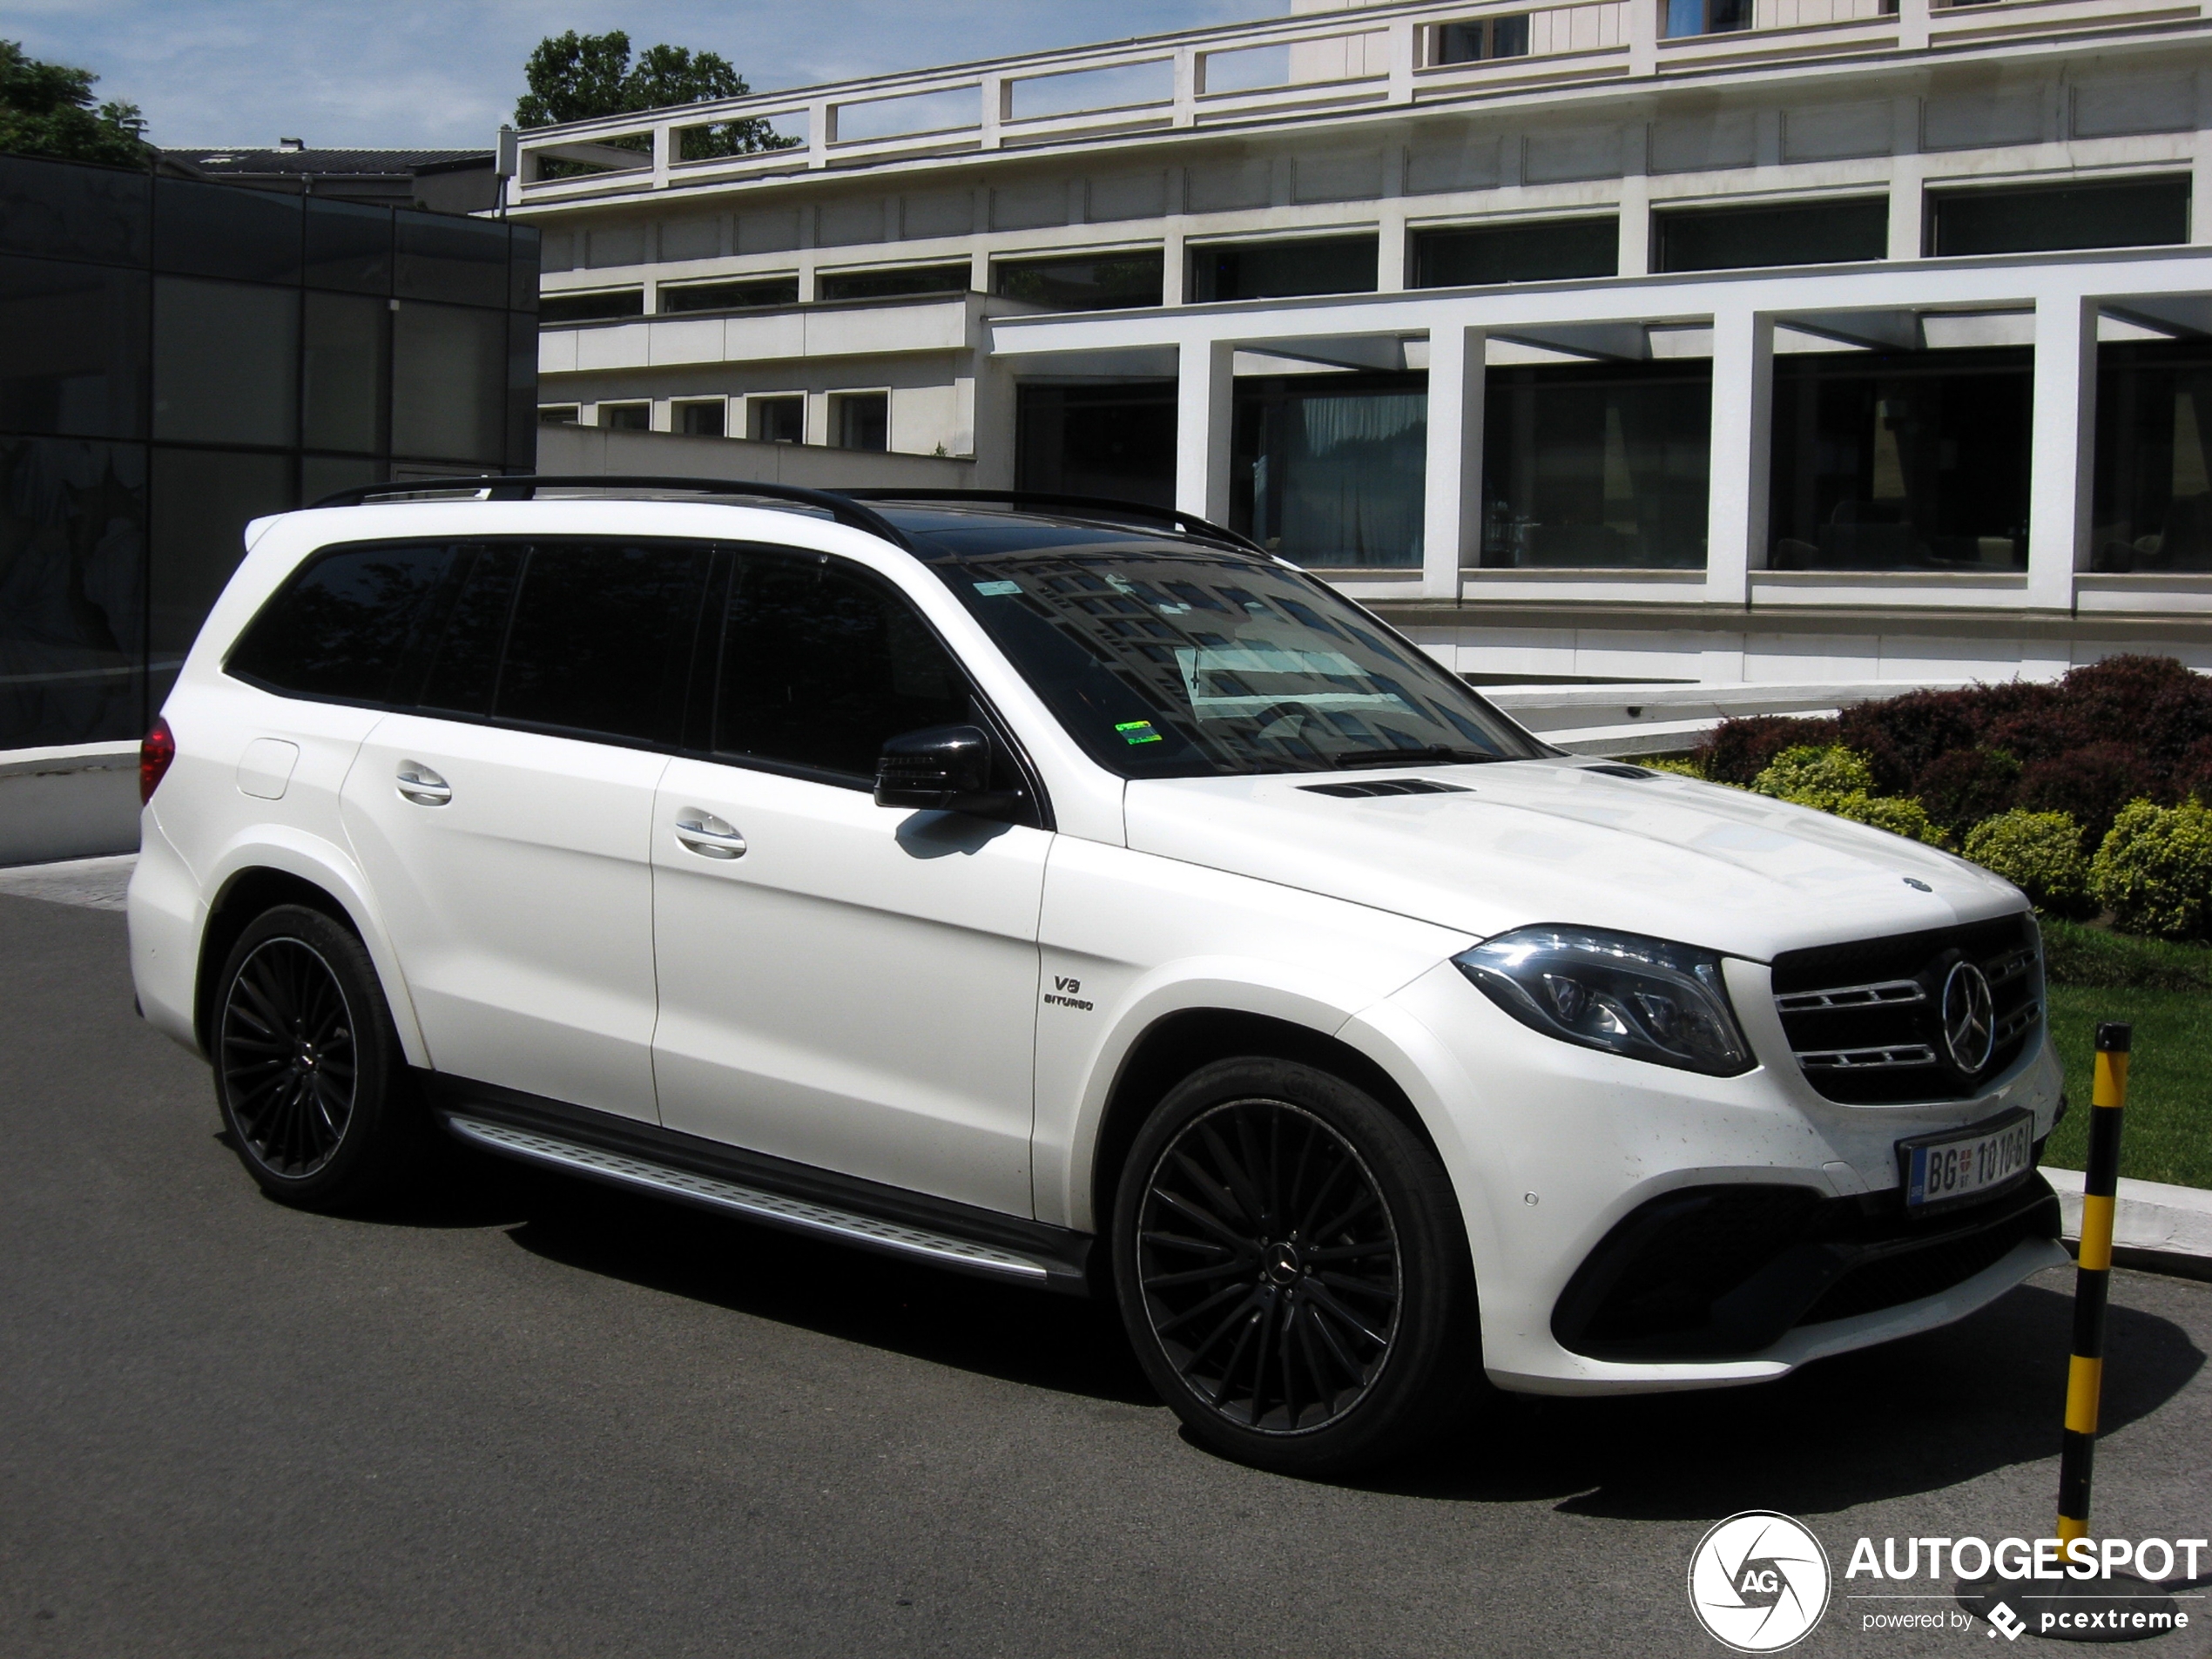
(1680, 765)
(2154, 872)
(2038, 852)
(1898, 814)
(1807, 770)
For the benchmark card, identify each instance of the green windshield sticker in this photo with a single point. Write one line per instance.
(997, 589)
(1137, 731)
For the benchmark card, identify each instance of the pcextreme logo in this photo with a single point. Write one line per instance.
(1759, 1582)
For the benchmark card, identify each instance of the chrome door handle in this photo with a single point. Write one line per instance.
(699, 831)
(422, 785)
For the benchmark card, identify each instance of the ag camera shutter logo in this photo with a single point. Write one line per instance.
(1759, 1582)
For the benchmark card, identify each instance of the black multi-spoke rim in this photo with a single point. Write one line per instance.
(289, 1057)
(1270, 1266)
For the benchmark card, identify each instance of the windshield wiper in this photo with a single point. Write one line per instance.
(1428, 755)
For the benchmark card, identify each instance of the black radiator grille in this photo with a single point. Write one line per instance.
(1865, 1020)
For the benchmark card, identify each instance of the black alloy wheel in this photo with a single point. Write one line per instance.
(1292, 1268)
(308, 1070)
(287, 1056)
(1269, 1266)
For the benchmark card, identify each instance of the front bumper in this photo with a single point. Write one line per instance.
(1639, 1229)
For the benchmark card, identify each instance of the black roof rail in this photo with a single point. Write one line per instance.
(1104, 506)
(844, 508)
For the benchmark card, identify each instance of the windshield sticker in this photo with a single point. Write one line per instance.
(998, 589)
(1137, 731)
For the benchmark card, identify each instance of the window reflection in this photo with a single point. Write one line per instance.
(2154, 488)
(1329, 471)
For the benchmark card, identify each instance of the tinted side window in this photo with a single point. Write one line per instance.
(339, 628)
(821, 664)
(600, 636)
(465, 666)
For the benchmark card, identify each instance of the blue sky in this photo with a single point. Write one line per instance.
(444, 73)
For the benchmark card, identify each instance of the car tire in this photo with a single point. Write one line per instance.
(1291, 1270)
(314, 1086)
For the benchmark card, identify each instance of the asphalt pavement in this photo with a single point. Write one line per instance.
(534, 1418)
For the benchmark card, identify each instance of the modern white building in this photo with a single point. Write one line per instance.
(1818, 341)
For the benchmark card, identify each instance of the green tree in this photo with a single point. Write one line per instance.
(47, 109)
(578, 78)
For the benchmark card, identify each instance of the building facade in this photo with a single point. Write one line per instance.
(1714, 340)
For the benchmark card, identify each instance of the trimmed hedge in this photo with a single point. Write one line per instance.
(2039, 854)
(2154, 871)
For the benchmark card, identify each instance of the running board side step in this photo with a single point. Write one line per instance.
(631, 1169)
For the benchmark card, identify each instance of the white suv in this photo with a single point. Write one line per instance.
(1074, 894)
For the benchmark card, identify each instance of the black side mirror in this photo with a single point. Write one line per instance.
(942, 768)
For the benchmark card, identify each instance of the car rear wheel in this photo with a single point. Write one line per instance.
(313, 1088)
(1292, 1268)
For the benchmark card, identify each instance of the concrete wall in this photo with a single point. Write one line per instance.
(594, 450)
(75, 803)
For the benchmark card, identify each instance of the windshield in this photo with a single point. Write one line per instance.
(1172, 660)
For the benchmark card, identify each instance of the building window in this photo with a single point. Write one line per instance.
(1543, 251)
(1115, 440)
(2135, 212)
(1328, 469)
(776, 420)
(556, 415)
(702, 417)
(1731, 239)
(1682, 18)
(2154, 469)
(730, 296)
(1283, 270)
(554, 309)
(1901, 460)
(860, 420)
(626, 417)
(1596, 466)
(912, 283)
(1477, 41)
(1104, 282)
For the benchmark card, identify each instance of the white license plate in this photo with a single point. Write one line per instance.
(1941, 1169)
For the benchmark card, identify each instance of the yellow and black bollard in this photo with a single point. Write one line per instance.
(2092, 1281)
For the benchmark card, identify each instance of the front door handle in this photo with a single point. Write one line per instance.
(699, 831)
(422, 785)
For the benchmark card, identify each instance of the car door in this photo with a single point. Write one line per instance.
(848, 986)
(505, 821)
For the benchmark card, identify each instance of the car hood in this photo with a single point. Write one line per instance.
(1514, 843)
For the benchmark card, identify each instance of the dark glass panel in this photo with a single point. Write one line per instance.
(2145, 212)
(558, 309)
(1686, 18)
(702, 420)
(521, 391)
(321, 476)
(1116, 441)
(893, 284)
(346, 378)
(1900, 460)
(1602, 466)
(1731, 238)
(464, 668)
(861, 421)
(225, 230)
(442, 257)
(1105, 283)
(65, 211)
(1544, 251)
(203, 500)
(2154, 476)
(730, 296)
(1280, 270)
(600, 640)
(1330, 470)
(821, 665)
(340, 627)
(72, 348)
(226, 363)
(72, 591)
(626, 417)
(776, 420)
(1474, 42)
(448, 383)
(350, 246)
(521, 267)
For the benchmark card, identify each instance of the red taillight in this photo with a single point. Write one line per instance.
(156, 749)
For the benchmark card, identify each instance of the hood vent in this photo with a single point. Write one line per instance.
(1622, 772)
(1386, 787)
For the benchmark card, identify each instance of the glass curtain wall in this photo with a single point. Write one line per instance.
(1112, 439)
(1901, 460)
(1329, 470)
(2154, 466)
(1602, 466)
(179, 358)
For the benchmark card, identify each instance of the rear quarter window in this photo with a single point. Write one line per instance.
(338, 629)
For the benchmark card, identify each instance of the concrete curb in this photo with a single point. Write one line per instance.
(2160, 1228)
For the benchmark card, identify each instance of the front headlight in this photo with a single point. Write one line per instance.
(1644, 998)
